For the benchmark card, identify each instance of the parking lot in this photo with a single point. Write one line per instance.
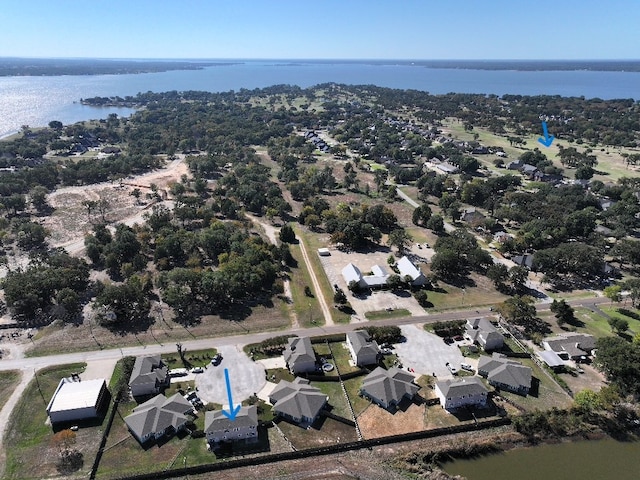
(246, 377)
(426, 353)
(378, 299)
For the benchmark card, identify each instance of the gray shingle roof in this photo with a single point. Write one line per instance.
(389, 386)
(216, 420)
(575, 344)
(297, 399)
(157, 414)
(299, 349)
(499, 369)
(465, 387)
(362, 343)
(148, 370)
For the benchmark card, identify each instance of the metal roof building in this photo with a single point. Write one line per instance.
(74, 401)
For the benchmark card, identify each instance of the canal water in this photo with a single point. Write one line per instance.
(586, 460)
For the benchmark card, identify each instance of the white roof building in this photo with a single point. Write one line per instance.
(407, 268)
(74, 401)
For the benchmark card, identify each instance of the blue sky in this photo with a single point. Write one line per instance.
(336, 29)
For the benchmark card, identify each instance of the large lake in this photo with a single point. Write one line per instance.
(588, 460)
(35, 101)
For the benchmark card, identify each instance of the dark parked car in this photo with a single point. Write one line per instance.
(216, 360)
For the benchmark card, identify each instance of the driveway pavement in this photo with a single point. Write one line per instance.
(426, 353)
(246, 376)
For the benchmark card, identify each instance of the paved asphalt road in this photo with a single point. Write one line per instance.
(28, 366)
(60, 359)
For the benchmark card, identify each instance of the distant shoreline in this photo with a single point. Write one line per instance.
(41, 67)
(58, 67)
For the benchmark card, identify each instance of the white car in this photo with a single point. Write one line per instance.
(452, 369)
(466, 366)
(197, 370)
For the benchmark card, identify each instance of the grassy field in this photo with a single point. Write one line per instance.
(384, 314)
(448, 297)
(352, 386)
(312, 243)
(195, 358)
(610, 161)
(306, 308)
(8, 381)
(633, 317)
(29, 436)
(56, 338)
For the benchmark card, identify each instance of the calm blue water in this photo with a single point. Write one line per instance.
(35, 101)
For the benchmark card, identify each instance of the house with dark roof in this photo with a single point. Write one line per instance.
(408, 269)
(472, 216)
(149, 376)
(570, 346)
(363, 350)
(158, 417)
(243, 428)
(297, 401)
(482, 332)
(299, 355)
(525, 260)
(528, 170)
(505, 374)
(388, 388)
(453, 394)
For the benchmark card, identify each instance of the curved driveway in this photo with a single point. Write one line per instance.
(426, 353)
(246, 377)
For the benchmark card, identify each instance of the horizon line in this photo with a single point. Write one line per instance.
(227, 59)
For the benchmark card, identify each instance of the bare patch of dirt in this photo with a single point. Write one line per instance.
(377, 422)
(71, 221)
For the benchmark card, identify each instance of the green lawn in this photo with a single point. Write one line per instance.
(447, 297)
(306, 308)
(352, 386)
(631, 315)
(312, 243)
(195, 358)
(336, 397)
(29, 436)
(8, 381)
(384, 314)
(339, 355)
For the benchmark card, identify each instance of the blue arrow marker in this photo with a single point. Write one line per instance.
(233, 411)
(548, 139)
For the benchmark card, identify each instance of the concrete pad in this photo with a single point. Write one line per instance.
(426, 353)
(99, 369)
(266, 391)
(272, 363)
(246, 376)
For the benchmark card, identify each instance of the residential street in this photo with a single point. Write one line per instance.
(28, 366)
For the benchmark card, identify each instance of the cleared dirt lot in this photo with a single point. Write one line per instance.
(426, 353)
(377, 422)
(377, 300)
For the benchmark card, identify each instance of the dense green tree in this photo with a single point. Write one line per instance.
(287, 235)
(563, 312)
(400, 239)
(618, 325)
(620, 362)
(421, 215)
